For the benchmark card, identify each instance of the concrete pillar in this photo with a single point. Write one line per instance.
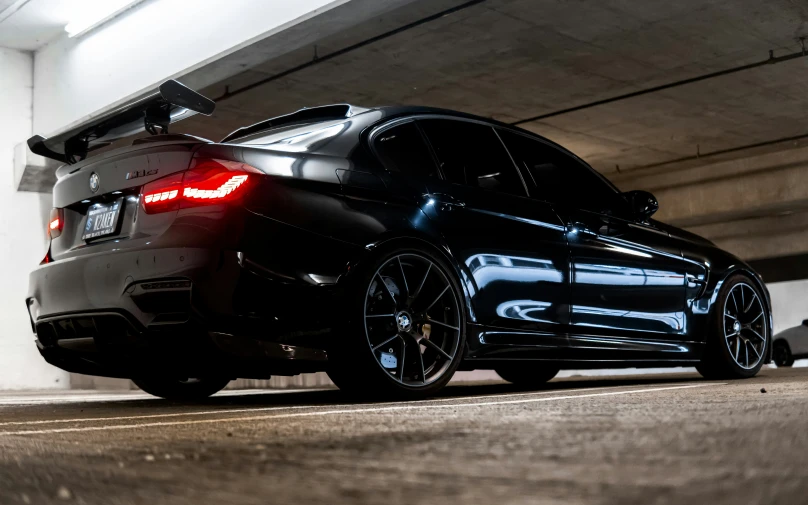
(23, 217)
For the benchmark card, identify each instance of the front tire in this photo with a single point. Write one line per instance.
(405, 333)
(782, 354)
(738, 342)
(529, 376)
(185, 390)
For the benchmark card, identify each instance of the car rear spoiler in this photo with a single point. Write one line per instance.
(172, 102)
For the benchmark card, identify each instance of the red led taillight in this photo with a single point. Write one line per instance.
(56, 223)
(207, 182)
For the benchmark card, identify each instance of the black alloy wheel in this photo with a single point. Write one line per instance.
(740, 341)
(744, 326)
(412, 328)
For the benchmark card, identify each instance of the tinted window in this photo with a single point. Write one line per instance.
(472, 154)
(402, 149)
(559, 178)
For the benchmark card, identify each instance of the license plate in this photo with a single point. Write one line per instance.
(102, 219)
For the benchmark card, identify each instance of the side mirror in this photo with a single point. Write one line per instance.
(643, 203)
(805, 322)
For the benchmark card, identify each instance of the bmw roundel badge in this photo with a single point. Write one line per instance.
(95, 182)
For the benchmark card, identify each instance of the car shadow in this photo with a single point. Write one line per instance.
(333, 396)
(329, 397)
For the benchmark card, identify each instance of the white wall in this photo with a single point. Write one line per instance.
(789, 303)
(22, 234)
(150, 43)
(789, 306)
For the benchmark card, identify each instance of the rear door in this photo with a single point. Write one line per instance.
(513, 247)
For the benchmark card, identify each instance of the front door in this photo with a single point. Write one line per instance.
(628, 277)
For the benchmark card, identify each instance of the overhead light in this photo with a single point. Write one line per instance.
(88, 14)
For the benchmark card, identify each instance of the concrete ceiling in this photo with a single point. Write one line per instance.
(517, 59)
(27, 25)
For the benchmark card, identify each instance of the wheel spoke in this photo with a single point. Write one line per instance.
(438, 298)
(403, 357)
(436, 347)
(403, 277)
(421, 358)
(384, 343)
(737, 348)
(756, 318)
(727, 314)
(746, 351)
(755, 349)
(734, 301)
(732, 335)
(754, 297)
(439, 323)
(381, 315)
(387, 288)
(758, 335)
(420, 286)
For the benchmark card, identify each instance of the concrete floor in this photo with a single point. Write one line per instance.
(643, 440)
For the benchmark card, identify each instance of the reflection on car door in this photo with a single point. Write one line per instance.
(628, 278)
(514, 248)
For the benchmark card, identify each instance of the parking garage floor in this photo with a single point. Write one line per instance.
(658, 440)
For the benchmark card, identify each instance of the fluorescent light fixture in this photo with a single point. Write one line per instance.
(87, 14)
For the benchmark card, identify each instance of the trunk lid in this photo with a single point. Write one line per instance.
(87, 190)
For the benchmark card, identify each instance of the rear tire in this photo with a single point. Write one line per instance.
(782, 354)
(739, 336)
(404, 335)
(181, 389)
(530, 376)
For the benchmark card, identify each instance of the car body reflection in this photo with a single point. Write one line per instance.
(488, 268)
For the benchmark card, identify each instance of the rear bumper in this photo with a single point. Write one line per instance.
(184, 311)
(123, 282)
(110, 344)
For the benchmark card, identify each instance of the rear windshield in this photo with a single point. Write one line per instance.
(297, 137)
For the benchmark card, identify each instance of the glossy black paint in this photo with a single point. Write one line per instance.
(267, 278)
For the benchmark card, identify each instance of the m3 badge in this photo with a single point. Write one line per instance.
(140, 173)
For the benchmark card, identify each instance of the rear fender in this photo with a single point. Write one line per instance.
(436, 244)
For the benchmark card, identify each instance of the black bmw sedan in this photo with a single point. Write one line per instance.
(389, 246)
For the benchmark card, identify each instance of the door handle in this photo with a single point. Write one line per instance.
(694, 281)
(443, 201)
(579, 228)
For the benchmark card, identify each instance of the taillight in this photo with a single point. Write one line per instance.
(207, 182)
(163, 194)
(56, 223)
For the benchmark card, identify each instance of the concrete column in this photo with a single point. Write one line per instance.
(23, 217)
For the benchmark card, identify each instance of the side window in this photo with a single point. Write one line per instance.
(402, 149)
(472, 154)
(559, 178)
